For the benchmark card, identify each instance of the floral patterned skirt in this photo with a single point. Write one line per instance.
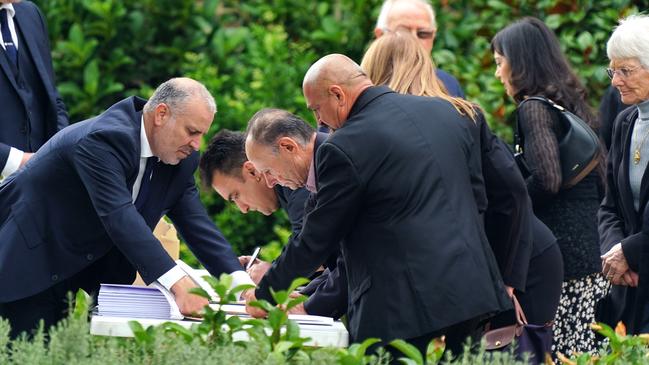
(572, 332)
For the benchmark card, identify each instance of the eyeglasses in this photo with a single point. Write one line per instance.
(421, 33)
(622, 72)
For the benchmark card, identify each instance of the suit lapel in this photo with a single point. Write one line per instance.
(625, 187)
(8, 70)
(27, 30)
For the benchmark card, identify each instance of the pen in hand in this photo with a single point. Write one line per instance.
(253, 257)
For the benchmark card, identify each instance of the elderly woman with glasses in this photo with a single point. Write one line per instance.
(529, 62)
(623, 214)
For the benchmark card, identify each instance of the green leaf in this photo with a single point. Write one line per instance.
(295, 301)
(91, 78)
(280, 297)
(585, 40)
(358, 350)
(276, 318)
(292, 330)
(297, 283)
(200, 292)
(409, 350)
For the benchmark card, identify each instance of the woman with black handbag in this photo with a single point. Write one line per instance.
(624, 213)
(529, 63)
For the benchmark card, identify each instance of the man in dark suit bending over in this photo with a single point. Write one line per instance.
(226, 168)
(82, 211)
(32, 110)
(402, 195)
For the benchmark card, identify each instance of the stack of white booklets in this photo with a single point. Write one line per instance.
(137, 301)
(155, 301)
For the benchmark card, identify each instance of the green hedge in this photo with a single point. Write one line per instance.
(253, 54)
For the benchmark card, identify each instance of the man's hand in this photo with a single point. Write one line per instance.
(614, 264)
(189, 304)
(298, 309)
(258, 270)
(510, 291)
(249, 296)
(629, 278)
(26, 157)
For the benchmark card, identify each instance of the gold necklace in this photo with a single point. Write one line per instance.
(636, 152)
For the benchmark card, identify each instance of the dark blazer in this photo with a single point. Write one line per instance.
(17, 129)
(72, 204)
(515, 234)
(619, 222)
(395, 191)
(328, 291)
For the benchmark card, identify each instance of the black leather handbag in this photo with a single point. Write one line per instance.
(579, 149)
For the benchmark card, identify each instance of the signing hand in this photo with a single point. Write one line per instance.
(249, 296)
(614, 264)
(189, 304)
(258, 270)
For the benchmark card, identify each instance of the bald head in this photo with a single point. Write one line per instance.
(331, 87)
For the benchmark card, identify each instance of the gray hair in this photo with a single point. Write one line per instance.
(382, 21)
(630, 39)
(177, 92)
(268, 125)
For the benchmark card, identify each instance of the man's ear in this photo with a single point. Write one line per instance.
(160, 114)
(338, 93)
(287, 144)
(248, 170)
(378, 32)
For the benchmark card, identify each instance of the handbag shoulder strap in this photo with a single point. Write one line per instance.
(518, 136)
(520, 315)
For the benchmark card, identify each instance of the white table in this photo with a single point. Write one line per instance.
(321, 336)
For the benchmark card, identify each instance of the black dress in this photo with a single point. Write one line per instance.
(571, 215)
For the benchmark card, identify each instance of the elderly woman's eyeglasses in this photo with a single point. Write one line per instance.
(622, 72)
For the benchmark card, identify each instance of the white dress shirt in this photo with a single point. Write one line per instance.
(169, 278)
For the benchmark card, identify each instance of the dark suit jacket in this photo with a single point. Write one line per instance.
(619, 222)
(72, 204)
(14, 111)
(516, 235)
(328, 291)
(395, 189)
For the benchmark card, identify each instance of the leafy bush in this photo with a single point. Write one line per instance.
(253, 54)
(275, 340)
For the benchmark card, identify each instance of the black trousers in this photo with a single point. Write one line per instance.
(542, 290)
(455, 338)
(24, 315)
(51, 305)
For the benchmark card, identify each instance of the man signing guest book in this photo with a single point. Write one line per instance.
(82, 210)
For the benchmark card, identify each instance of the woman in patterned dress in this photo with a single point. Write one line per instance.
(529, 62)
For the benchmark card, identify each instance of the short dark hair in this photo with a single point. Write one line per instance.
(225, 154)
(268, 125)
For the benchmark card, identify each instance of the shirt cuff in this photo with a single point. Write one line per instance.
(13, 161)
(240, 277)
(170, 278)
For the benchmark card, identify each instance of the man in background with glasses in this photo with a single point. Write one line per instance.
(418, 18)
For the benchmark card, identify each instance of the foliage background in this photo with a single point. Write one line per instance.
(253, 54)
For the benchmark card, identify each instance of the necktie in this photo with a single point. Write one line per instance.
(10, 47)
(144, 185)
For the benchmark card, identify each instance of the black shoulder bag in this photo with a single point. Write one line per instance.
(579, 149)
